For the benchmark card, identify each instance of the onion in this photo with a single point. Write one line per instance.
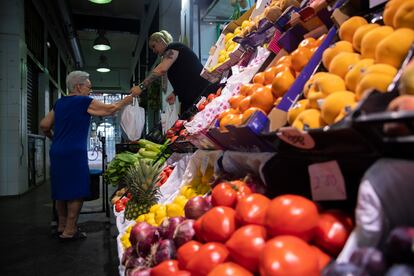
(136, 229)
(129, 252)
(134, 262)
(165, 251)
(168, 226)
(196, 207)
(138, 272)
(145, 238)
(184, 232)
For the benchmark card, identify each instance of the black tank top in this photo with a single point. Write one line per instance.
(184, 74)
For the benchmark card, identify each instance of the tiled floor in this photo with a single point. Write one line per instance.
(28, 247)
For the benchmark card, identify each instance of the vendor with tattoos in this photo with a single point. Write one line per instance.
(182, 67)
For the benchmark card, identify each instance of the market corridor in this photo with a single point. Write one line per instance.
(29, 248)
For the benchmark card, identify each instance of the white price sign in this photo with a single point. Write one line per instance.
(327, 181)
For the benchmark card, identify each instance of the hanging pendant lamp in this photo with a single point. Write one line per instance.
(101, 43)
(103, 66)
(101, 1)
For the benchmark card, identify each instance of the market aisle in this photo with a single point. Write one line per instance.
(28, 248)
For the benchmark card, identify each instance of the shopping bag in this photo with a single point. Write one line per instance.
(133, 120)
(171, 116)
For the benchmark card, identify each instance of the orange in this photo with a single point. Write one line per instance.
(404, 17)
(245, 104)
(360, 33)
(335, 49)
(249, 88)
(322, 86)
(309, 85)
(372, 39)
(249, 112)
(231, 119)
(235, 101)
(263, 99)
(334, 104)
(349, 27)
(271, 72)
(393, 49)
(354, 74)
(296, 109)
(390, 10)
(285, 59)
(309, 42)
(259, 78)
(376, 81)
(277, 101)
(300, 57)
(227, 112)
(281, 83)
(319, 41)
(341, 64)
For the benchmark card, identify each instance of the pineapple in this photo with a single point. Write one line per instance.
(141, 179)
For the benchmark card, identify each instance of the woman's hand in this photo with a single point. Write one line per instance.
(405, 102)
(135, 91)
(171, 99)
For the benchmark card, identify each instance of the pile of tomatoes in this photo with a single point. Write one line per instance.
(246, 233)
(209, 99)
(165, 174)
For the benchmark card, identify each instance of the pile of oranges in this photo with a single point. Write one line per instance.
(269, 86)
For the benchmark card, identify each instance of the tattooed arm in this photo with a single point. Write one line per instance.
(168, 59)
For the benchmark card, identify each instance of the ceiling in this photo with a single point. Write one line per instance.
(121, 21)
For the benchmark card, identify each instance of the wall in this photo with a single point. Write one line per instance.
(13, 136)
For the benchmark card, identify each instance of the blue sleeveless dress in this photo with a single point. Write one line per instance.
(68, 154)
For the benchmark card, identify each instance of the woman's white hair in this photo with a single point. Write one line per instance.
(74, 78)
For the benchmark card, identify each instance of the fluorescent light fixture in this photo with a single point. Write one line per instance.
(101, 1)
(101, 43)
(103, 66)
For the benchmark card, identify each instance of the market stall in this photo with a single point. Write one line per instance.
(268, 170)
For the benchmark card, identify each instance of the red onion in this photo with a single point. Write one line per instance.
(165, 251)
(184, 232)
(168, 226)
(134, 262)
(196, 207)
(145, 238)
(136, 229)
(129, 252)
(138, 272)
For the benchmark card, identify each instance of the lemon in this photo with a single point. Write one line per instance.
(245, 24)
(221, 58)
(228, 37)
(180, 200)
(160, 215)
(174, 210)
(237, 31)
(155, 207)
(140, 218)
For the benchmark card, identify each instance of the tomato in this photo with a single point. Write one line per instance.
(229, 269)
(197, 228)
(323, 258)
(288, 255)
(292, 215)
(210, 255)
(186, 252)
(228, 193)
(246, 244)
(218, 224)
(119, 206)
(165, 268)
(252, 209)
(332, 231)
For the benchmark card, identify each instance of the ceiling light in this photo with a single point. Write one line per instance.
(101, 1)
(101, 43)
(103, 65)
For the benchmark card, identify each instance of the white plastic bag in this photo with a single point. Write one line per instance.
(171, 116)
(133, 120)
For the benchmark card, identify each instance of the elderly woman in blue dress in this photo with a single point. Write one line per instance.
(67, 124)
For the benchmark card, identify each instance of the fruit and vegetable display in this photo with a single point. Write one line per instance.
(205, 218)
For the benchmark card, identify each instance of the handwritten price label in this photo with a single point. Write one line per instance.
(296, 138)
(327, 181)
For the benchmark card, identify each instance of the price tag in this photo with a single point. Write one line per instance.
(296, 138)
(327, 181)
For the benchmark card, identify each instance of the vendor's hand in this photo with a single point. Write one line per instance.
(171, 99)
(135, 91)
(405, 102)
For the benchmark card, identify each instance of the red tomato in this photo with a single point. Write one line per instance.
(323, 258)
(228, 193)
(229, 269)
(246, 244)
(197, 228)
(119, 206)
(186, 252)
(252, 209)
(165, 268)
(292, 215)
(210, 255)
(332, 231)
(288, 255)
(218, 224)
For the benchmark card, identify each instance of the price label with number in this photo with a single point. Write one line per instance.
(327, 181)
(296, 138)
